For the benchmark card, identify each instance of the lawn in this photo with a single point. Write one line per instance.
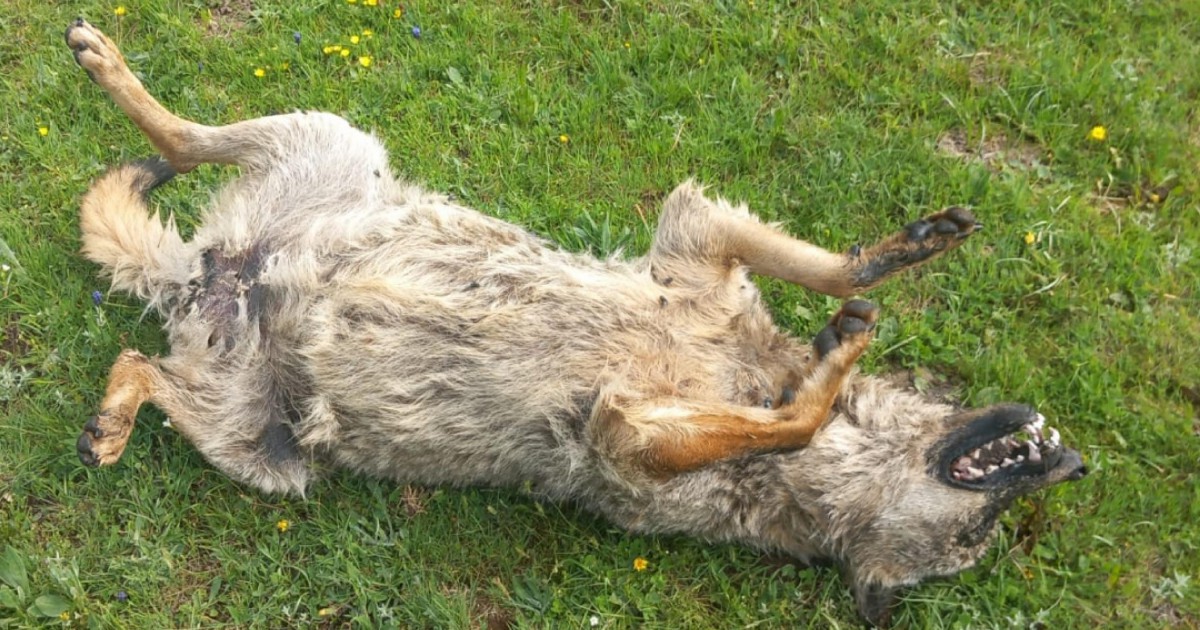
(1071, 129)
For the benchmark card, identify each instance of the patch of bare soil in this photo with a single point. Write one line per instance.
(996, 151)
(227, 16)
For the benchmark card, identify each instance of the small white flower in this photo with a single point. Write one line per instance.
(594, 620)
(5, 268)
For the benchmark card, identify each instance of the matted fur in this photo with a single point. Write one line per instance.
(328, 314)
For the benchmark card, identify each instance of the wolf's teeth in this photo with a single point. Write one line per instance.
(1055, 438)
(975, 473)
(975, 454)
(1007, 462)
(991, 469)
(1035, 456)
(1020, 458)
(1040, 422)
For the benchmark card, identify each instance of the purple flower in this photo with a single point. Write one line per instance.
(296, 37)
(122, 596)
(416, 31)
(97, 297)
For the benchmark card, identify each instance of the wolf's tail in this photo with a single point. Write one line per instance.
(143, 255)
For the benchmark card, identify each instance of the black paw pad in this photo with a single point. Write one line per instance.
(83, 446)
(92, 426)
(862, 309)
(826, 341)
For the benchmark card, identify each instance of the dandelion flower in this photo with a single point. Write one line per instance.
(1098, 133)
(119, 11)
(1030, 238)
(64, 616)
(368, 33)
(354, 39)
(43, 131)
(564, 138)
(327, 50)
(365, 61)
(345, 52)
(371, 3)
(260, 73)
(397, 13)
(329, 610)
(640, 564)
(627, 44)
(283, 525)
(1155, 198)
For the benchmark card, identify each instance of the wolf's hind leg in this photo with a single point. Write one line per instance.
(253, 444)
(672, 436)
(132, 380)
(185, 144)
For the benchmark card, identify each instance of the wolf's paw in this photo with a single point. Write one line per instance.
(918, 242)
(851, 328)
(943, 229)
(103, 440)
(94, 52)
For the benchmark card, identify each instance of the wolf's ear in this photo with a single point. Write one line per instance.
(875, 603)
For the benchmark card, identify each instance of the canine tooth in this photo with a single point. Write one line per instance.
(991, 469)
(1055, 438)
(1035, 456)
(1020, 458)
(1040, 422)
(1007, 462)
(975, 454)
(975, 473)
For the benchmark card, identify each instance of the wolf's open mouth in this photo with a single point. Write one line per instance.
(983, 459)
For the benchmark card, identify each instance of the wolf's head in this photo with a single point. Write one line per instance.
(903, 489)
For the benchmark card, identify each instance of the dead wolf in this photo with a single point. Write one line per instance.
(327, 314)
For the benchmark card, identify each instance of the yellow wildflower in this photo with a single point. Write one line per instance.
(1030, 238)
(1098, 133)
(119, 11)
(352, 1)
(260, 73)
(365, 61)
(564, 138)
(640, 564)
(283, 525)
(354, 39)
(345, 52)
(336, 48)
(627, 44)
(325, 612)
(397, 13)
(371, 3)
(285, 66)
(368, 33)
(43, 131)
(1155, 198)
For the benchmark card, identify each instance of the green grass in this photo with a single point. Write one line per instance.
(838, 120)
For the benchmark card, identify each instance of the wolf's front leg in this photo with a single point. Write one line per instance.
(699, 241)
(668, 436)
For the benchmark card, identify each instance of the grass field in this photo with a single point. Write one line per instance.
(1071, 128)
